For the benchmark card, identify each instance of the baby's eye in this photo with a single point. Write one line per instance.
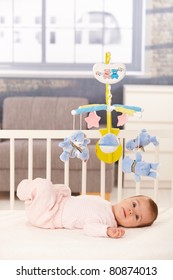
(134, 204)
(137, 217)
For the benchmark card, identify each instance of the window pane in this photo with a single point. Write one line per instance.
(5, 45)
(121, 10)
(27, 13)
(120, 52)
(83, 8)
(60, 31)
(27, 45)
(104, 27)
(90, 53)
(121, 32)
(60, 13)
(27, 20)
(6, 9)
(89, 31)
(5, 30)
(60, 45)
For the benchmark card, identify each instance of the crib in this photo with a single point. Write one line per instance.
(20, 240)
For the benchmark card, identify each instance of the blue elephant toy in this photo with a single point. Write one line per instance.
(139, 167)
(75, 146)
(141, 141)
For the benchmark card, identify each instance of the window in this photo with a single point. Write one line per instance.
(45, 34)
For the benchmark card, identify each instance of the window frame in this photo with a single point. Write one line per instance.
(82, 69)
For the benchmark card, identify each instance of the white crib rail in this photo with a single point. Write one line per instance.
(61, 134)
(31, 135)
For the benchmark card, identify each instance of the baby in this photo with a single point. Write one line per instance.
(52, 206)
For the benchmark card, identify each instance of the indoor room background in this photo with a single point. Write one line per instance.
(156, 57)
(48, 49)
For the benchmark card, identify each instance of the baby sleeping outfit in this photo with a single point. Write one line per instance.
(52, 206)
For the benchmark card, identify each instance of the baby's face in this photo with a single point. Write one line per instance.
(133, 212)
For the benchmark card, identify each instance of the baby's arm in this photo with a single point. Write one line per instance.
(115, 232)
(102, 230)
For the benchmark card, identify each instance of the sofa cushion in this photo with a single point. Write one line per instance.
(52, 113)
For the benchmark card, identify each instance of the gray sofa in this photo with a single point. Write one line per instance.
(52, 113)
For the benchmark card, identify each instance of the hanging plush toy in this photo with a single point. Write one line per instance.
(75, 146)
(139, 167)
(141, 141)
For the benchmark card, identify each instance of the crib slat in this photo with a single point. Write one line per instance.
(172, 185)
(30, 158)
(102, 179)
(84, 177)
(156, 182)
(12, 173)
(172, 192)
(48, 159)
(138, 188)
(66, 173)
(80, 122)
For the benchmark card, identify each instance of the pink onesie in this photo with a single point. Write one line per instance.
(52, 206)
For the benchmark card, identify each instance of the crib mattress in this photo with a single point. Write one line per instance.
(20, 240)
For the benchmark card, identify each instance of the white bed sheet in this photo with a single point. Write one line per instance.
(20, 240)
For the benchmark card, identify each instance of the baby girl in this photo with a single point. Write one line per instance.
(51, 206)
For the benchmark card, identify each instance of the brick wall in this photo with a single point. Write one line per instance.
(159, 46)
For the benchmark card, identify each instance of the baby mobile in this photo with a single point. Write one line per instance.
(108, 148)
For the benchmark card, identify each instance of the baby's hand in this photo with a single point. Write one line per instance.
(114, 232)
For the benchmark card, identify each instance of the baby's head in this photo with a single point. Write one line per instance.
(135, 211)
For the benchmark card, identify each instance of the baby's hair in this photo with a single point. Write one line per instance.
(153, 208)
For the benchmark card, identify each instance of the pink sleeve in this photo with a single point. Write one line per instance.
(96, 229)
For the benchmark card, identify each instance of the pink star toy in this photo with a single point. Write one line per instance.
(122, 119)
(92, 120)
